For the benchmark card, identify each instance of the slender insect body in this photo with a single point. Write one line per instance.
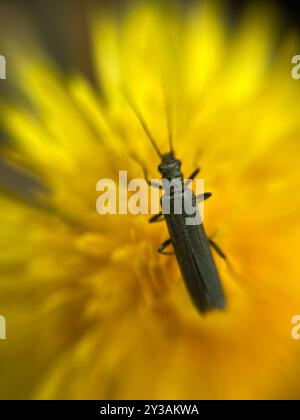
(196, 263)
(192, 248)
(190, 243)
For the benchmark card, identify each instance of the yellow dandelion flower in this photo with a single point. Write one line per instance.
(92, 310)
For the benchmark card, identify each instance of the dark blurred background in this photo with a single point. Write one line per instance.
(62, 24)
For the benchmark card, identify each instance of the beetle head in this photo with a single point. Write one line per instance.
(170, 167)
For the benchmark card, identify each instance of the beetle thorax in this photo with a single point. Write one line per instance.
(170, 167)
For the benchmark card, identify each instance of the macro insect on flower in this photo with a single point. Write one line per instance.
(92, 310)
(187, 235)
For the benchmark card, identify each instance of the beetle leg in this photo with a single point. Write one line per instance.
(149, 182)
(192, 176)
(154, 184)
(156, 218)
(138, 161)
(202, 197)
(163, 246)
(217, 249)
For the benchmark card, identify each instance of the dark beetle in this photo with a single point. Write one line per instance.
(190, 243)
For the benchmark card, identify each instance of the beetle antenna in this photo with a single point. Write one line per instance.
(137, 160)
(169, 118)
(143, 124)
